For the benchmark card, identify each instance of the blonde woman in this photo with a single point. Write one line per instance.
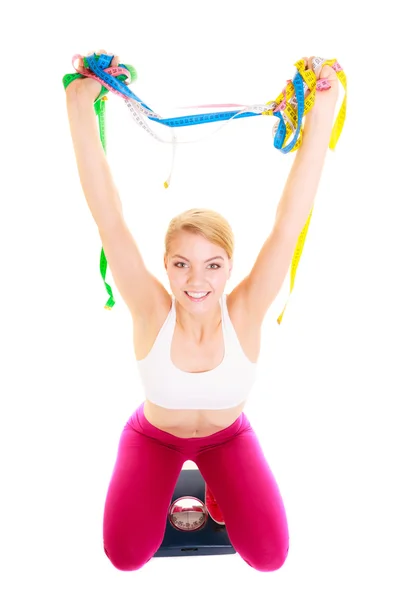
(197, 350)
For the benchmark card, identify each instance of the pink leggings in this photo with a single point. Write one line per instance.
(232, 463)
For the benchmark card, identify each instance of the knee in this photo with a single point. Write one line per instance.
(270, 560)
(127, 561)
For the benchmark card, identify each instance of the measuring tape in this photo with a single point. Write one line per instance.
(295, 101)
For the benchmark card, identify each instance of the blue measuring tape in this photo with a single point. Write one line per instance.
(290, 113)
(97, 66)
(281, 132)
(104, 61)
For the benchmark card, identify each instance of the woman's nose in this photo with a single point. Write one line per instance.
(195, 276)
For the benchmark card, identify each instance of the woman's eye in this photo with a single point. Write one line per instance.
(213, 265)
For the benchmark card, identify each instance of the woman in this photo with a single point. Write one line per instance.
(196, 351)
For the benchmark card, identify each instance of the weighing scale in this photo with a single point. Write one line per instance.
(190, 531)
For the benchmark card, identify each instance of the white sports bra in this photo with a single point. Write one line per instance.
(226, 386)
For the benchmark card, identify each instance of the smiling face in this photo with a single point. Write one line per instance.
(195, 265)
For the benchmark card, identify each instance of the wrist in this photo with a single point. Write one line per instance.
(320, 119)
(83, 91)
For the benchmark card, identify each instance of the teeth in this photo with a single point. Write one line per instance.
(197, 295)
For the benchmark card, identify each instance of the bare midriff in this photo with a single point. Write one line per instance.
(191, 423)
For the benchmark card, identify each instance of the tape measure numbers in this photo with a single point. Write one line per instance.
(293, 103)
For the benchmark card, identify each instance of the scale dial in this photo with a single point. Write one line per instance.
(187, 514)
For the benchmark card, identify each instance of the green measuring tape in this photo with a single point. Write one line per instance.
(100, 109)
(290, 107)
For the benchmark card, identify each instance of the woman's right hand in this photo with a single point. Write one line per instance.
(87, 86)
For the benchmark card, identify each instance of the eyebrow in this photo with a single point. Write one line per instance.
(208, 260)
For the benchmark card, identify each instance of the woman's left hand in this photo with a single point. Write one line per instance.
(325, 100)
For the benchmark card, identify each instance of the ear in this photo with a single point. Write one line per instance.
(230, 267)
(165, 261)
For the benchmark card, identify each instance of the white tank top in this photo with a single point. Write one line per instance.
(226, 386)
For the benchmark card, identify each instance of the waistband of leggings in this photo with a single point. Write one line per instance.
(139, 422)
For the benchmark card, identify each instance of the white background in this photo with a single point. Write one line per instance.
(326, 402)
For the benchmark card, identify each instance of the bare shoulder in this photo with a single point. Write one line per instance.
(157, 308)
(239, 312)
(147, 324)
(246, 325)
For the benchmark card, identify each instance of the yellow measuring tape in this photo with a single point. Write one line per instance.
(286, 106)
(291, 116)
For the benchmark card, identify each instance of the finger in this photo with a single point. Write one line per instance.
(318, 66)
(328, 73)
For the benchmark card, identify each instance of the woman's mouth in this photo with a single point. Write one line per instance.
(197, 296)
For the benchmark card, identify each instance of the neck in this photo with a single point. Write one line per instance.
(198, 327)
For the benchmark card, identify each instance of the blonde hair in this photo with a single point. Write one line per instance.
(202, 221)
